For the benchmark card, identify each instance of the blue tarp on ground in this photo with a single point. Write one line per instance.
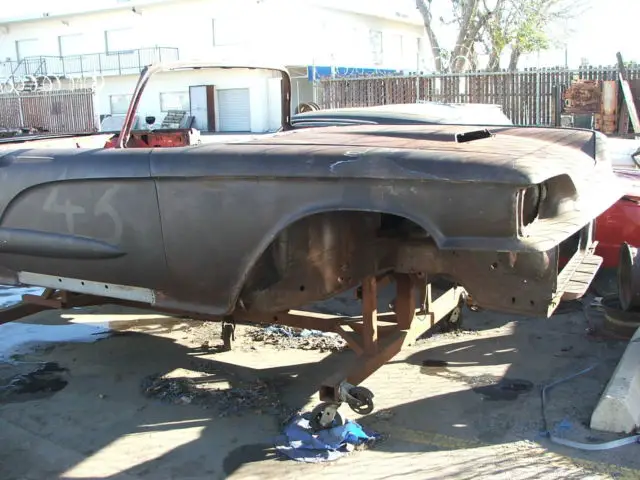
(299, 443)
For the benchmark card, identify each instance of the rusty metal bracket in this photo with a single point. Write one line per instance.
(50, 299)
(380, 343)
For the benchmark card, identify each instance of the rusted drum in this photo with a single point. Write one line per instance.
(629, 277)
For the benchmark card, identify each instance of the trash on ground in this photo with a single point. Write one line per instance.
(303, 339)
(257, 396)
(300, 443)
(46, 379)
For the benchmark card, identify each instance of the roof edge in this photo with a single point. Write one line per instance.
(75, 11)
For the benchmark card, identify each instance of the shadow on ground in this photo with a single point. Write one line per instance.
(104, 397)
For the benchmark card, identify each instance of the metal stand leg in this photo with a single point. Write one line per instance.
(382, 337)
(228, 333)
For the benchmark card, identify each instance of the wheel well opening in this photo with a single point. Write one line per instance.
(320, 255)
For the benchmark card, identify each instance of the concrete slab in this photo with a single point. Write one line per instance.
(619, 407)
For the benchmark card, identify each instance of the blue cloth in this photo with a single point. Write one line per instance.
(299, 443)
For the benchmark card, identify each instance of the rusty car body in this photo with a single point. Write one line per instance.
(254, 229)
(275, 223)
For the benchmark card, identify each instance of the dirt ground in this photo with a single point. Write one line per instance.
(439, 421)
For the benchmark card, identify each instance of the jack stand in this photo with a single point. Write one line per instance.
(376, 343)
(325, 415)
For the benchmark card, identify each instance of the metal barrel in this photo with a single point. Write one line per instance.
(629, 277)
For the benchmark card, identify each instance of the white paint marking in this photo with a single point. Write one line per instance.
(104, 207)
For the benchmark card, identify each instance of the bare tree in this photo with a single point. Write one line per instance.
(470, 20)
(524, 26)
(424, 6)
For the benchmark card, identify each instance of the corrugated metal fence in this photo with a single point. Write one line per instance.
(528, 97)
(58, 111)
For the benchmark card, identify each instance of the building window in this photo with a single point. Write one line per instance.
(73, 44)
(119, 104)
(121, 40)
(175, 101)
(375, 42)
(28, 48)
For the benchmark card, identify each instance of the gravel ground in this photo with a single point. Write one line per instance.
(287, 337)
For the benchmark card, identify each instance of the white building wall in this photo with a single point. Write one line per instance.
(280, 31)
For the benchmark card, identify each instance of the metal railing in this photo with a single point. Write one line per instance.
(114, 63)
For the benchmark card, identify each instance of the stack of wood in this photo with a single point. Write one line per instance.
(611, 103)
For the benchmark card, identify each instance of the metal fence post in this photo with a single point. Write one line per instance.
(538, 117)
(21, 113)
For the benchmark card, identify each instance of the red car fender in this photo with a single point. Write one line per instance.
(620, 223)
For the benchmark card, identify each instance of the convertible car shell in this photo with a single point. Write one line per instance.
(274, 223)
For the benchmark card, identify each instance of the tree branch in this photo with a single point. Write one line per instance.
(425, 11)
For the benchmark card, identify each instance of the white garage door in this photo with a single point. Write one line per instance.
(234, 114)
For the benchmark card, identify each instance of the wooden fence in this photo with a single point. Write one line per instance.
(528, 97)
(57, 111)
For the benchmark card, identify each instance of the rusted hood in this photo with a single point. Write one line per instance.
(512, 154)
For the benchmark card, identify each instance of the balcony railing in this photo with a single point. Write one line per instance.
(112, 63)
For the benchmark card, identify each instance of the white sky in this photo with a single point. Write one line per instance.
(607, 27)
